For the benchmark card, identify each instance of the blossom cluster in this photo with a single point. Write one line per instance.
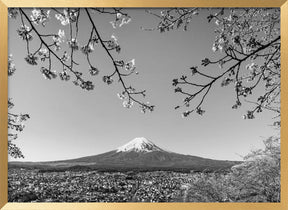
(63, 17)
(94, 71)
(86, 49)
(73, 44)
(25, 33)
(31, 59)
(12, 13)
(120, 20)
(40, 16)
(11, 66)
(130, 66)
(48, 74)
(58, 39)
(64, 75)
(127, 102)
(113, 44)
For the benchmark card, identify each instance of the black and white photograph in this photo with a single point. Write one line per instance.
(144, 105)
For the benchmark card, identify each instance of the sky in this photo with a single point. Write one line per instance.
(67, 122)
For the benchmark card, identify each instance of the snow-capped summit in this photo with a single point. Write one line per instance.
(139, 144)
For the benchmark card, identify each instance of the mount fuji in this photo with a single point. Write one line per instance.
(138, 154)
(139, 144)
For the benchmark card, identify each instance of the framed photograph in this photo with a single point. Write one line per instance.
(129, 104)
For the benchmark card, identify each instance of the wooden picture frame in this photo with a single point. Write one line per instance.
(4, 4)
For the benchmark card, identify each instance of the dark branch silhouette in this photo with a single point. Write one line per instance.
(15, 121)
(56, 48)
(244, 37)
(173, 18)
(49, 50)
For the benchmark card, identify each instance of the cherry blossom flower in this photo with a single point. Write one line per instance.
(11, 66)
(128, 104)
(87, 48)
(40, 16)
(113, 44)
(121, 19)
(24, 33)
(94, 71)
(108, 80)
(121, 96)
(43, 51)
(31, 59)
(48, 74)
(73, 44)
(64, 76)
(130, 66)
(64, 18)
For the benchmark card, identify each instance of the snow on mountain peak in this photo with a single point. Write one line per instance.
(139, 144)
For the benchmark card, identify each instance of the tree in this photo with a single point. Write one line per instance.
(259, 175)
(257, 179)
(246, 46)
(247, 50)
(15, 121)
(52, 48)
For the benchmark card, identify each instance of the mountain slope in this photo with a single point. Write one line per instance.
(138, 153)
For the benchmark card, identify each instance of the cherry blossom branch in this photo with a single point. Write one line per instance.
(242, 35)
(206, 88)
(127, 90)
(173, 18)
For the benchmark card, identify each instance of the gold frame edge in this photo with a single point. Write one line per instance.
(4, 4)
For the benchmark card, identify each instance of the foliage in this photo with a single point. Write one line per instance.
(247, 44)
(15, 121)
(260, 173)
(174, 18)
(209, 187)
(247, 51)
(257, 179)
(58, 47)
